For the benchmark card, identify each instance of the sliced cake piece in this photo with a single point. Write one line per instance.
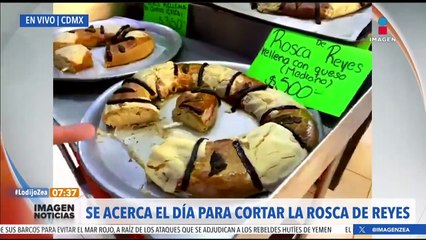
(64, 39)
(273, 105)
(197, 109)
(221, 173)
(226, 168)
(273, 152)
(89, 37)
(298, 120)
(131, 105)
(73, 58)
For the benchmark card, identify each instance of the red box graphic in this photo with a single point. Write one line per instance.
(383, 30)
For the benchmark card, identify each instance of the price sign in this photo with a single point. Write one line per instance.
(319, 74)
(365, 43)
(173, 15)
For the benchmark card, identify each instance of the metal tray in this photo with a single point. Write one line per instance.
(347, 28)
(108, 162)
(167, 44)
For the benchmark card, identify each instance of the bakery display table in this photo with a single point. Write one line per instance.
(235, 42)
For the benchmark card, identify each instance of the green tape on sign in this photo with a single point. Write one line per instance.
(319, 74)
(173, 15)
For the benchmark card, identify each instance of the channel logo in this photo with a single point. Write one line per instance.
(383, 26)
(383, 36)
(54, 211)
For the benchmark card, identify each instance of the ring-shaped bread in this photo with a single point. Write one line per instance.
(229, 168)
(310, 10)
(123, 45)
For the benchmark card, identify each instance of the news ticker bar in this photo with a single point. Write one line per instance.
(175, 229)
(54, 20)
(357, 229)
(47, 192)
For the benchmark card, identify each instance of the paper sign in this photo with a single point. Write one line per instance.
(173, 15)
(365, 43)
(319, 74)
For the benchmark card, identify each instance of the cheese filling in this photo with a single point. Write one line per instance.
(165, 74)
(273, 152)
(111, 29)
(73, 53)
(268, 7)
(66, 37)
(340, 9)
(120, 106)
(217, 77)
(149, 77)
(137, 34)
(169, 160)
(257, 103)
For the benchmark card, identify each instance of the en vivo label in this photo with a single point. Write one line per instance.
(173, 15)
(319, 74)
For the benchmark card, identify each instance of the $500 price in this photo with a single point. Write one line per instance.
(293, 89)
(169, 21)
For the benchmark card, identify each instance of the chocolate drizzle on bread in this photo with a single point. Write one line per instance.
(185, 68)
(264, 115)
(175, 69)
(207, 91)
(121, 48)
(120, 36)
(288, 119)
(217, 164)
(140, 83)
(244, 93)
(91, 29)
(190, 166)
(124, 90)
(116, 37)
(128, 100)
(196, 110)
(247, 164)
(200, 74)
(317, 13)
(129, 38)
(108, 54)
(126, 31)
(299, 121)
(231, 81)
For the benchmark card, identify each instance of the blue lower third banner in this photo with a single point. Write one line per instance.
(390, 229)
(54, 20)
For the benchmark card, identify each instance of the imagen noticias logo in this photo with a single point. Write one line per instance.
(383, 26)
(382, 32)
(54, 211)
